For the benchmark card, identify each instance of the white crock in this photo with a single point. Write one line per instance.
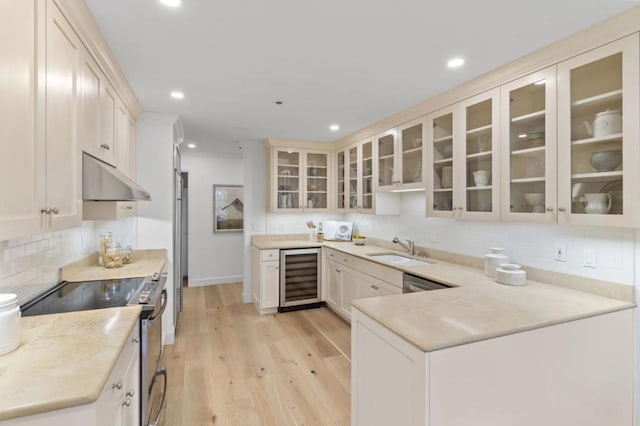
(493, 260)
(9, 323)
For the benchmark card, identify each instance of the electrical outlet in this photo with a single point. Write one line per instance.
(590, 258)
(561, 252)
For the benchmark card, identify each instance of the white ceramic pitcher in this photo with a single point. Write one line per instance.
(598, 203)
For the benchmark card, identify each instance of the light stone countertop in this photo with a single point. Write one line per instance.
(286, 244)
(63, 360)
(477, 308)
(145, 262)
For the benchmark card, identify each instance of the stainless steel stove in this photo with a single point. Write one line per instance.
(148, 292)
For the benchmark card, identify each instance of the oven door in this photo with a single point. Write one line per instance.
(157, 394)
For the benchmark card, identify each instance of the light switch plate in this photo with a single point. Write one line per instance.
(561, 252)
(590, 260)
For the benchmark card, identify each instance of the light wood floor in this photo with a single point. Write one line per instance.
(231, 366)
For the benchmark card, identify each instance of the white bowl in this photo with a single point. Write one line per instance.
(481, 177)
(534, 198)
(359, 241)
(606, 161)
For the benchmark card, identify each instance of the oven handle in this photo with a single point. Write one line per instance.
(160, 372)
(162, 308)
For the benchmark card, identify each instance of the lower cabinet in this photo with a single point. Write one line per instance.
(117, 405)
(369, 286)
(265, 281)
(576, 373)
(342, 288)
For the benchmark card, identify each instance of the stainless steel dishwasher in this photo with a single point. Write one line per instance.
(300, 279)
(412, 284)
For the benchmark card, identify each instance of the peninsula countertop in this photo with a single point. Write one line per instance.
(63, 360)
(475, 308)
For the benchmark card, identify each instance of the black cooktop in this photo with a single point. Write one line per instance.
(70, 297)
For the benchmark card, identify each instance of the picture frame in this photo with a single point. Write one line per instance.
(228, 208)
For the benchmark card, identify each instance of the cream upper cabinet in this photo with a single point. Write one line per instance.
(399, 154)
(22, 151)
(300, 179)
(63, 165)
(598, 133)
(529, 149)
(355, 178)
(463, 152)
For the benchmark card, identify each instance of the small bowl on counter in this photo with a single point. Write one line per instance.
(359, 240)
(511, 274)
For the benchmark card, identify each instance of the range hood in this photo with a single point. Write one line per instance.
(102, 182)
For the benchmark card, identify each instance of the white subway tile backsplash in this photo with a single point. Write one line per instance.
(24, 240)
(18, 252)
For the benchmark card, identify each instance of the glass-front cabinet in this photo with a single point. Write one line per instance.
(355, 178)
(399, 154)
(529, 148)
(301, 180)
(463, 152)
(598, 148)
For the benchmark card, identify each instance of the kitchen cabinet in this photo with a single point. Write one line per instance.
(63, 162)
(463, 147)
(500, 381)
(265, 279)
(355, 178)
(23, 146)
(369, 286)
(118, 403)
(96, 111)
(598, 132)
(299, 180)
(529, 150)
(342, 288)
(399, 154)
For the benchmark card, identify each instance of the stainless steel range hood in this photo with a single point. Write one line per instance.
(102, 182)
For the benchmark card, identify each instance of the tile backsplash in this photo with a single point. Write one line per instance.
(30, 264)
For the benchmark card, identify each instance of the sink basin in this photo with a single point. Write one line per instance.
(398, 259)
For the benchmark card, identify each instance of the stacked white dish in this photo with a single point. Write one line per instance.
(493, 260)
(511, 274)
(9, 323)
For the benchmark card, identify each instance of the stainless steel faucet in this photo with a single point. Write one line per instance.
(411, 247)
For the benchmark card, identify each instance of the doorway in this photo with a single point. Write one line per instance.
(184, 249)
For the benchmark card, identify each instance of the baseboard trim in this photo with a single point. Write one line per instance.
(169, 337)
(201, 282)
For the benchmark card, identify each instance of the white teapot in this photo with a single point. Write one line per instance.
(606, 123)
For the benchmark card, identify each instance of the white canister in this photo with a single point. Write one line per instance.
(9, 323)
(511, 274)
(494, 260)
(607, 122)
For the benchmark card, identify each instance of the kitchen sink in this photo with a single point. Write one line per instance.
(398, 259)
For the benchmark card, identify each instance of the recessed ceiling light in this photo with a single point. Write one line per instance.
(455, 62)
(334, 127)
(540, 83)
(171, 3)
(177, 95)
(522, 135)
(191, 145)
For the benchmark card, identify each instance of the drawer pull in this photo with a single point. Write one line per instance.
(117, 385)
(135, 340)
(130, 393)
(375, 287)
(338, 270)
(127, 403)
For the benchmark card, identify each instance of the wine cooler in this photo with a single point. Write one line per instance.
(299, 279)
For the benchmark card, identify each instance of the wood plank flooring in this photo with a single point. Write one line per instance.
(231, 366)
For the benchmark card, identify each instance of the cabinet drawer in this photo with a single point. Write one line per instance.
(384, 273)
(269, 255)
(341, 258)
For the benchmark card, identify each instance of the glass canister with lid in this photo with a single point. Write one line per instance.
(127, 255)
(113, 256)
(105, 240)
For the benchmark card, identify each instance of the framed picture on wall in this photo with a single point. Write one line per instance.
(228, 208)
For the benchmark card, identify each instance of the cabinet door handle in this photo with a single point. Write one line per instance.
(277, 267)
(129, 207)
(135, 340)
(549, 209)
(127, 402)
(54, 210)
(338, 270)
(375, 287)
(130, 393)
(44, 211)
(562, 209)
(117, 385)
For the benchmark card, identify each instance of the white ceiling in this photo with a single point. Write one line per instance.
(351, 62)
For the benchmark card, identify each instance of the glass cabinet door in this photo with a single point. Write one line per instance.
(341, 193)
(440, 173)
(598, 135)
(366, 171)
(411, 143)
(288, 173)
(353, 177)
(386, 152)
(479, 172)
(529, 180)
(317, 180)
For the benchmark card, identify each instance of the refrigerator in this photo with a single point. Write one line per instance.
(177, 235)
